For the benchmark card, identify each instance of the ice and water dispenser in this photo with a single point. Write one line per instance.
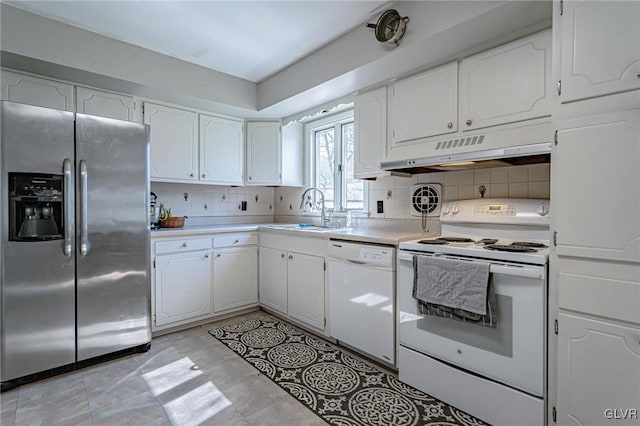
(36, 207)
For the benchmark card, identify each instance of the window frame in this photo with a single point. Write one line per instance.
(335, 121)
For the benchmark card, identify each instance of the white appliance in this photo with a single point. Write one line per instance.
(496, 374)
(362, 298)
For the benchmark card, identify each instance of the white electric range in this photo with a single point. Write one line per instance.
(496, 374)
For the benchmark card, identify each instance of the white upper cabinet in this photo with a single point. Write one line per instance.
(174, 143)
(264, 153)
(275, 154)
(105, 104)
(600, 48)
(293, 154)
(221, 150)
(425, 105)
(507, 84)
(370, 119)
(596, 190)
(37, 91)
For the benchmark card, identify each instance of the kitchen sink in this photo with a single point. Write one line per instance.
(300, 227)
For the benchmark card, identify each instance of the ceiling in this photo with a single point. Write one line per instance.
(251, 40)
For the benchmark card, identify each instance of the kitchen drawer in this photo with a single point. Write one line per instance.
(602, 296)
(233, 240)
(187, 244)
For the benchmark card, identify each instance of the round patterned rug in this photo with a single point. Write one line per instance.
(338, 387)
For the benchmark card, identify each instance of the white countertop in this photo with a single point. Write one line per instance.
(378, 236)
(366, 235)
(204, 229)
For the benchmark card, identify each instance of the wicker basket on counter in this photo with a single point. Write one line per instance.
(172, 222)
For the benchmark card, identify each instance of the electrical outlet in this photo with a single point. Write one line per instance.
(243, 205)
(380, 204)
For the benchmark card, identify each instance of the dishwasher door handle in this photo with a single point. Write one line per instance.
(343, 260)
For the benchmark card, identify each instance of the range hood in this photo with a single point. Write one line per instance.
(501, 146)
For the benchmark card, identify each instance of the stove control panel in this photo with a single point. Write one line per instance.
(495, 209)
(514, 211)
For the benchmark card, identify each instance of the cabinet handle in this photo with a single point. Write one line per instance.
(191, 174)
(290, 257)
(206, 256)
(184, 244)
(468, 122)
(282, 255)
(249, 177)
(449, 125)
(204, 176)
(218, 255)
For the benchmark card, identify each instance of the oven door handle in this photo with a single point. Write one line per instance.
(516, 271)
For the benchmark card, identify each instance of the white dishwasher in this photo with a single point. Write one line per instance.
(362, 298)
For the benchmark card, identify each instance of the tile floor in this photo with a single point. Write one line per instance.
(187, 378)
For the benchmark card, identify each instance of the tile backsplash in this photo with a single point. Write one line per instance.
(527, 181)
(212, 200)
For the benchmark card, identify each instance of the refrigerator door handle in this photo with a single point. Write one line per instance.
(68, 216)
(84, 226)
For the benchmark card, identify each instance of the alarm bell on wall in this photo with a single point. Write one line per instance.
(390, 27)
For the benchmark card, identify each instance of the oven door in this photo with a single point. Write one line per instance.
(513, 353)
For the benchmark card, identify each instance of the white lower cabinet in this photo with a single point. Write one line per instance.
(182, 286)
(305, 279)
(198, 277)
(235, 277)
(292, 283)
(273, 279)
(598, 372)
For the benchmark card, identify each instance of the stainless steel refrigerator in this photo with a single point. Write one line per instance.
(75, 273)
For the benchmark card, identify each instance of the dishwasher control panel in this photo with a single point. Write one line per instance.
(369, 255)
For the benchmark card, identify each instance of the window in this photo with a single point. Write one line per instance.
(332, 162)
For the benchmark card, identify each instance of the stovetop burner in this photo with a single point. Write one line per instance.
(433, 242)
(456, 239)
(510, 247)
(528, 244)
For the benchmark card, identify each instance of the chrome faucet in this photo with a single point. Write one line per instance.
(323, 220)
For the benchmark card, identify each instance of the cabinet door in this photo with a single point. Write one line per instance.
(598, 372)
(293, 154)
(595, 190)
(221, 151)
(600, 48)
(104, 104)
(27, 89)
(306, 289)
(235, 277)
(425, 104)
(370, 119)
(183, 286)
(263, 153)
(507, 84)
(174, 142)
(273, 279)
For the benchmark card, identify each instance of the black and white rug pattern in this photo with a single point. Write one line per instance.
(340, 388)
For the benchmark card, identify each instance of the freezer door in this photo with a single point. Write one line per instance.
(37, 283)
(112, 243)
